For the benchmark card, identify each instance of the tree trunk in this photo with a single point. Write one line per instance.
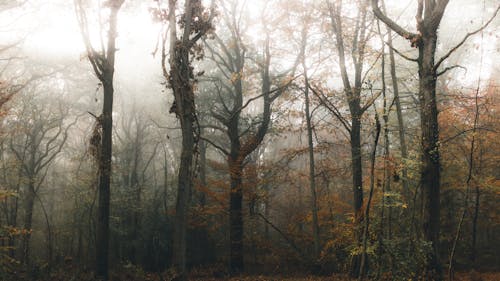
(184, 188)
(364, 257)
(399, 111)
(180, 74)
(102, 238)
(103, 64)
(428, 17)
(475, 218)
(28, 220)
(236, 214)
(357, 185)
(136, 189)
(430, 170)
(312, 179)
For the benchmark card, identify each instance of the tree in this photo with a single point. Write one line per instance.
(428, 18)
(352, 92)
(133, 160)
(103, 64)
(245, 132)
(195, 23)
(44, 134)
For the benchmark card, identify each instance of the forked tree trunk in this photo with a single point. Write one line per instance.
(353, 99)
(103, 64)
(181, 80)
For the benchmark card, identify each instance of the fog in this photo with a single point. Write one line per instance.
(297, 130)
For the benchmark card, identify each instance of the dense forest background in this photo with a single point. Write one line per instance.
(174, 140)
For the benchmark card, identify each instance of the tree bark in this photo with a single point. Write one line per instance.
(236, 214)
(430, 169)
(181, 80)
(428, 18)
(102, 230)
(103, 64)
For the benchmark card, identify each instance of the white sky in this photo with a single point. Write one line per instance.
(50, 29)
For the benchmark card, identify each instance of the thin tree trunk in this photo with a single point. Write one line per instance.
(477, 192)
(357, 179)
(364, 257)
(49, 235)
(312, 178)
(28, 220)
(399, 111)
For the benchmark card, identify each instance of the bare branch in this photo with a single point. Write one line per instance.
(465, 132)
(370, 102)
(391, 24)
(450, 68)
(220, 148)
(401, 54)
(332, 108)
(443, 58)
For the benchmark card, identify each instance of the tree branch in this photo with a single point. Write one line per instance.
(401, 54)
(223, 150)
(332, 108)
(391, 24)
(465, 39)
(450, 68)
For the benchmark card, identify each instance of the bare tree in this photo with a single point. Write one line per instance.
(353, 91)
(43, 134)
(245, 132)
(103, 64)
(428, 18)
(183, 47)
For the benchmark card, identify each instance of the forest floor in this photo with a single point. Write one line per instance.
(460, 276)
(139, 275)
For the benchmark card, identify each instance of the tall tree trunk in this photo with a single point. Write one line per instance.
(181, 80)
(399, 111)
(312, 178)
(428, 18)
(430, 170)
(202, 250)
(184, 108)
(357, 189)
(364, 256)
(184, 188)
(353, 98)
(236, 206)
(136, 192)
(103, 64)
(475, 217)
(102, 238)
